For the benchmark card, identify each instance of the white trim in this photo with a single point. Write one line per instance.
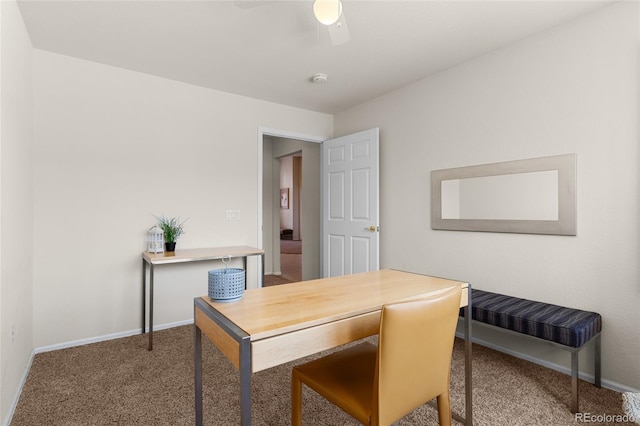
(262, 131)
(289, 135)
(7, 420)
(106, 337)
(16, 397)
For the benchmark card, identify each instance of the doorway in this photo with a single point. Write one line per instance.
(290, 232)
(352, 248)
(291, 241)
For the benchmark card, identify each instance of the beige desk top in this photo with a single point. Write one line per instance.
(272, 311)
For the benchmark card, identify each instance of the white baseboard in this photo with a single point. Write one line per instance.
(557, 367)
(106, 337)
(7, 420)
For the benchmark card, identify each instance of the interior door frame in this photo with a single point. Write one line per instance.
(266, 131)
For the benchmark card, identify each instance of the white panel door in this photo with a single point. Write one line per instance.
(350, 194)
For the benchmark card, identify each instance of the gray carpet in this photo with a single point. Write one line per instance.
(119, 382)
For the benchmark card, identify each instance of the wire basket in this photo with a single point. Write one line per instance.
(226, 285)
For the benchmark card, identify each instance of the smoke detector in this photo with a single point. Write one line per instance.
(319, 78)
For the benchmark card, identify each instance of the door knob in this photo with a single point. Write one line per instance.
(372, 228)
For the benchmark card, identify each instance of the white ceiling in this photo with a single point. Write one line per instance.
(269, 50)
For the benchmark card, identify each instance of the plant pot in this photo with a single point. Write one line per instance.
(170, 246)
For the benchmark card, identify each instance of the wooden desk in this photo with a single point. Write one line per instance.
(273, 325)
(184, 256)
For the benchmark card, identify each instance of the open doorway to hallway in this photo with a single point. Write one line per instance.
(290, 233)
(291, 213)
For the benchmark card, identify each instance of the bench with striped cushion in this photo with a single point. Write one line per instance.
(569, 328)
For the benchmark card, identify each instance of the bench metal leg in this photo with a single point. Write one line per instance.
(596, 344)
(574, 381)
(597, 381)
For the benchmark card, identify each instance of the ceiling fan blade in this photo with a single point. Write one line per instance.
(339, 32)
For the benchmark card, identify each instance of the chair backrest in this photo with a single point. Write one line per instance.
(414, 354)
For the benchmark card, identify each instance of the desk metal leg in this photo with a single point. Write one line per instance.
(198, 373)
(468, 379)
(245, 381)
(244, 347)
(144, 296)
(151, 268)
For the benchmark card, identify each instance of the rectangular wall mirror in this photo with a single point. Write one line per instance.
(533, 196)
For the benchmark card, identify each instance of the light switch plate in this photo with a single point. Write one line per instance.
(232, 215)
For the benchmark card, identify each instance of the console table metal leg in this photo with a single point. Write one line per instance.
(246, 275)
(262, 269)
(151, 268)
(144, 296)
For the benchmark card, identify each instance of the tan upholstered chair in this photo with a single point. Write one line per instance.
(409, 367)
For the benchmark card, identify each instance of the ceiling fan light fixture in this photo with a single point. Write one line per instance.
(327, 12)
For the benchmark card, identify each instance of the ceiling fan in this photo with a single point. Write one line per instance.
(327, 12)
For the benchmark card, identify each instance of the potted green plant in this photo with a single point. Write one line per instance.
(173, 228)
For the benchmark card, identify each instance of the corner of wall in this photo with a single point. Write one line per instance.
(16, 210)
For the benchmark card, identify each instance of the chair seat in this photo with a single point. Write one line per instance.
(379, 384)
(345, 378)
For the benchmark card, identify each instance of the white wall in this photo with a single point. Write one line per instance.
(113, 148)
(572, 89)
(16, 204)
